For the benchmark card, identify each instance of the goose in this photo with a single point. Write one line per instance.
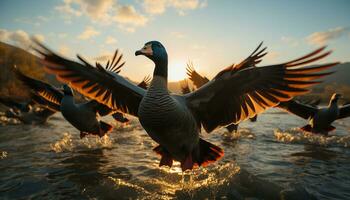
(320, 119)
(82, 116)
(51, 97)
(174, 121)
(34, 116)
(199, 80)
(16, 106)
(26, 112)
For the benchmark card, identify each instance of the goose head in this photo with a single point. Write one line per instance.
(335, 98)
(67, 91)
(156, 52)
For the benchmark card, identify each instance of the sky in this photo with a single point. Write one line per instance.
(211, 33)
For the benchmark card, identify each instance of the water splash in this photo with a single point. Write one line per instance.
(297, 136)
(206, 183)
(93, 142)
(64, 144)
(242, 133)
(3, 154)
(8, 121)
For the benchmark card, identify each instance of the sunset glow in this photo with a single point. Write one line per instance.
(177, 71)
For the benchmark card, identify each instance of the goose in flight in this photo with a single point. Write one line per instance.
(199, 80)
(174, 121)
(320, 119)
(82, 116)
(35, 115)
(27, 112)
(15, 105)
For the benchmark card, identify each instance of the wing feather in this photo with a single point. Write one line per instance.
(244, 90)
(197, 79)
(97, 83)
(344, 111)
(40, 88)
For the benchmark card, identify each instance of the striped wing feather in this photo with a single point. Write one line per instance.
(94, 82)
(344, 111)
(40, 88)
(197, 79)
(300, 109)
(240, 93)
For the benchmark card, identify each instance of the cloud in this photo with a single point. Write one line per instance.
(62, 35)
(156, 7)
(95, 9)
(103, 58)
(178, 34)
(126, 28)
(39, 37)
(185, 4)
(19, 38)
(128, 15)
(88, 33)
(290, 41)
(67, 8)
(27, 21)
(272, 56)
(42, 18)
(110, 40)
(103, 12)
(64, 50)
(320, 38)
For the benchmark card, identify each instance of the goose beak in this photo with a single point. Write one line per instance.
(146, 51)
(139, 52)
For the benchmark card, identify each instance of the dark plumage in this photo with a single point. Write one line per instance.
(26, 112)
(16, 106)
(320, 119)
(199, 80)
(81, 116)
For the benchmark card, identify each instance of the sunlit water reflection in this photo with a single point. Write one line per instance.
(264, 160)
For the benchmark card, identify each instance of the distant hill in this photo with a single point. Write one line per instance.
(28, 63)
(342, 75)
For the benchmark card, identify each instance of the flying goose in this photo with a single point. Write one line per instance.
(199, 80)
(320, 119)
(16, 106)
(82, 116)
(26, 112)
(174, 121)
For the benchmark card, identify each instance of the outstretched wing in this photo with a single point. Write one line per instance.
(45, 103)
(40, 88)
(145, 82)
(251, 61)
(344, 111)
(302, 110)
(197, 79)
(240, 93)
(115, 64)
(23, 107)
(185, 88)
(313, 102)
(96, 83)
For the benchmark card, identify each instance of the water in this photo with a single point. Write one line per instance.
(264, 160)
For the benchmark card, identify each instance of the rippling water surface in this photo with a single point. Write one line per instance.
(268, 159)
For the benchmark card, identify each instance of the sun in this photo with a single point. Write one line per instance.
(177, 71)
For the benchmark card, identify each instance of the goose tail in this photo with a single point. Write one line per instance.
(308, 128)
(105, 128)
(208, 153)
